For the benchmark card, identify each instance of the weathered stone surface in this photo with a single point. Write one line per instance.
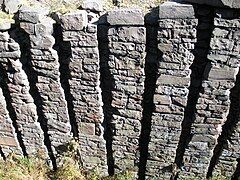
(84, 83)
(93, 5)
(171, 93)
(11, 6)
(125, 17)
(4, 26)
(174, 10)
(32, 15)
(8, 139)
(218, 3)
(45, 67)
(74, 20)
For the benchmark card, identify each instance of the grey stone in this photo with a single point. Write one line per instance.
(11, 6)
(74, 21)
(174, 10)
(5, 26)
(4, 36)
(125, 17)
(32, 15)
(218, 3)
(93, 5)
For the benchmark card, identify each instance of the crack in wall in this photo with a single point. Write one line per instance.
(152, 61)
(107, 85)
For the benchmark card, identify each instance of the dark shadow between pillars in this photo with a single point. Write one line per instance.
(107, 86)
(152, 61)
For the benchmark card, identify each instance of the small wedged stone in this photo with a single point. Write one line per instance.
(125, 17)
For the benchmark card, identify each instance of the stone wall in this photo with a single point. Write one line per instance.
(157, 95)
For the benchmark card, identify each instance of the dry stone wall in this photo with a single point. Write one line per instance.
(156, 95)
(127, 38)
(176, 39)
(84, 83)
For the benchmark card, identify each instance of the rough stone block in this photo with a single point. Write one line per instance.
(32, 15)
(74, 20)
(11, 6)
(125, 17)
(218, 3)
(174, 10)
(223, 74)
(5, 26)
(94, 5)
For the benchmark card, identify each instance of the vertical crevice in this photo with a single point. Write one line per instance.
(228, 128)
(64, 53)
(23, 39)
(2, 154)
(10, 108)
(205, 16)
(152, 61)
(107, 85)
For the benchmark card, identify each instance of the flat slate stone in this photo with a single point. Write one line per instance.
(125, 17)
(175, 10)
(219, 3)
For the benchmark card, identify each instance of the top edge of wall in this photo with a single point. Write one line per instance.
(234, 4)
(125, 16)
(176, 10)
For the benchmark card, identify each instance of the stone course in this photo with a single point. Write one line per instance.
(126, 66)
(84, 82)
(176, 39)
(225, 49)
(46, 76)
(8, 140)
(22, 104)
(86, 76)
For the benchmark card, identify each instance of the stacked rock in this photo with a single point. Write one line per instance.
(127, 39)
(225, 60)
(8, 140)
(84, 83)
(23, 109)
(176, 39)
(214, 101)
(44, 67)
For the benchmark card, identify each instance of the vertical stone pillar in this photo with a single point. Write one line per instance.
(214, 100)
(176, 39)
(8, 139)
(225, 62)
(127, 39)
(84, 83)
(44, 67)
(21, 106)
